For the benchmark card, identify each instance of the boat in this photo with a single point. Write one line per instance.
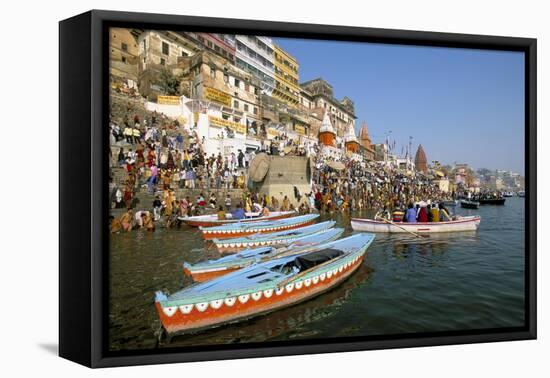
(261, 288)
(275, 238)
(508, 194)
(211, 220)
(521, 193)
(238, 229)
(467, 204)
(469, 223)
(491, 201)
(207, 270)
(449, 203)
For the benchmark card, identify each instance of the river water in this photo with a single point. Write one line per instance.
(447, 282)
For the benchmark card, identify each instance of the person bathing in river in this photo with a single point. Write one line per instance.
(126, 221)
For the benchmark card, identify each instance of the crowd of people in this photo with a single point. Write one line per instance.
(158, 156)
(358, 185)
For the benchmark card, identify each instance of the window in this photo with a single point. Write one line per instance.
(255, 110)
(237, 83)
(256, 91)
(236, 104)
(209, 44)
(225, 116)
(236, 120)
(162, 61)
(124, 46)
(165, 48)
(124, 59)
(183, 53)
(247, 87)
(226, 78)
(245, 107)
(212, 72)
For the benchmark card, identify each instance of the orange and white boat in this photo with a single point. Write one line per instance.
(235, 230)
(211, 220)
(262, 287)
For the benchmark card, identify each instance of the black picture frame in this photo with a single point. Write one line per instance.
(83, 236)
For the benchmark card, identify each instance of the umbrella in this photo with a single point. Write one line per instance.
(336, 165)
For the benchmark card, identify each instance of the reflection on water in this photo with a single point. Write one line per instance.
(469, 280)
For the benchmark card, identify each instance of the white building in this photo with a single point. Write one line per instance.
(255, 55)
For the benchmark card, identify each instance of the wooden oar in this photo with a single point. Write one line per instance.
(404, 229)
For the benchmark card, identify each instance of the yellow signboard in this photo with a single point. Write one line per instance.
(223, 123)
(168, 100)
(300, 129)
(217, 96)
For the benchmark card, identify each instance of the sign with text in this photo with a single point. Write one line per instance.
(217, 96)
(223, 123)
(168, 100)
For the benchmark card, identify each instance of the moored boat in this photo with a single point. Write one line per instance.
(211, 220)
(263, 287)
(467, 204)
(491, 201)
(449, 203)
(239, 229)
(470, 223)
(279, 238)
(210, 269)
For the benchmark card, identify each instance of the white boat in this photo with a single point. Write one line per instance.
(211, 220)
(469, 223)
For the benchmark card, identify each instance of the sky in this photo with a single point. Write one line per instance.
(462, 105)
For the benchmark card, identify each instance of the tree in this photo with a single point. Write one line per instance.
(169, 83)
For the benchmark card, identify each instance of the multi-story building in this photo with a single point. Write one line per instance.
(219, 44)
(159, 51)
(123, 55)
(224, 103)
(286, 88)
(255, 55)
(341, 112)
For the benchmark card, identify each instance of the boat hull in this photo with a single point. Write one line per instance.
(469, 205)
(212, 221)
(369, 225)
(495, 201)
(210, 234)
(267, 301)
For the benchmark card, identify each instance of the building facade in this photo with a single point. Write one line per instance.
(255, 55)
(123, 55)
(286, 88)
(341, 112)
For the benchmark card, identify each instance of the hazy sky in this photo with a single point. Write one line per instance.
(462, 105)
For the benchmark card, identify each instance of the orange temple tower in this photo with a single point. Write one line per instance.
(420, 161)
(327, 136)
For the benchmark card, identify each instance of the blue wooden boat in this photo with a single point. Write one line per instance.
(235, 230)
(263, 287)
(207, 270)
(280, 238)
